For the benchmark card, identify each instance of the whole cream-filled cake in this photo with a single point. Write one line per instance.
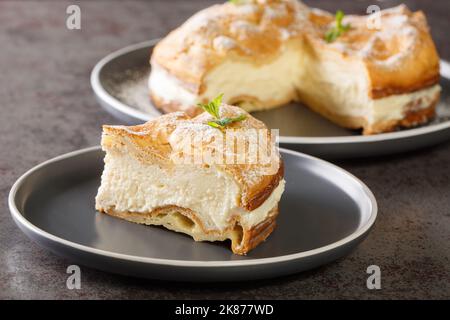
(265, 53)
(147, 179)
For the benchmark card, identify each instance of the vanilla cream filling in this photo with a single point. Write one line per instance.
(271, 84)
(340, 86)
(129, 185)
(394, 107)
(252, 218)
(274, 82)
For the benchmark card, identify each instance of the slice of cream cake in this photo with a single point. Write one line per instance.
(154, 175)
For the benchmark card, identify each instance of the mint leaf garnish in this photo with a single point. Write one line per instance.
(213, 108)
(338, 29)
(222, 123)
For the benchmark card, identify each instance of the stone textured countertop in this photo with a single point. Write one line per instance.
(48, 108)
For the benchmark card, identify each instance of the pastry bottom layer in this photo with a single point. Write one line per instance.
(412, 115)
(248, 103)
(186, 221)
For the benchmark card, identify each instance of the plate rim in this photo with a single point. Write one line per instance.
(22, 221)
(121, 107)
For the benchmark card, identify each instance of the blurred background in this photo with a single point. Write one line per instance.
(46, 67)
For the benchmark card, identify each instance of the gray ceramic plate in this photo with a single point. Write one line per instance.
(120, 83)
(324, 213)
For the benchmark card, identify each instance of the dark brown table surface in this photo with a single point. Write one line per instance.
(48, 108)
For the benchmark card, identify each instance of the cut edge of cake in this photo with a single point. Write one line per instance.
(141, 183)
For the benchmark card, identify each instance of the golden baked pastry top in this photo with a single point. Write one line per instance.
(399, 56)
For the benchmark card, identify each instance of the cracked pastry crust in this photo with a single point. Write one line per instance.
(185, 221)
(266, 53)
(144, 182)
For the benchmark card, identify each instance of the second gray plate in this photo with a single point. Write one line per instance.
(120, 83)
(325, 212)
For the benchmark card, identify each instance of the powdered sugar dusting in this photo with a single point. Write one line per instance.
(247, 8)
(243, 27)
(199, 21)
(398, 20)
(285, 34)
(275, 11)
(396, 29)
(223, 43)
